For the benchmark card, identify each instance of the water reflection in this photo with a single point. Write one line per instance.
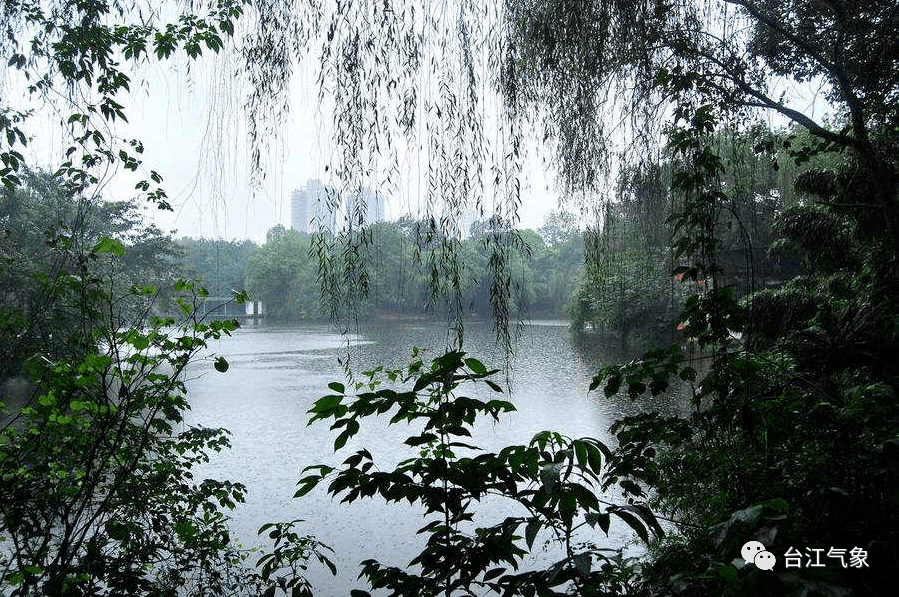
(276, 374)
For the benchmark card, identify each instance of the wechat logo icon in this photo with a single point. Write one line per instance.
(755, 553)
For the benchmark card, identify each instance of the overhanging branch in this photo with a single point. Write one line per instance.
(727, 72)
(839, 74)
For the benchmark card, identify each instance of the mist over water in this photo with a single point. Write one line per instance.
(277, 373)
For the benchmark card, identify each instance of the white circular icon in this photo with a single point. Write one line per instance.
(764, 560)
(750, 550)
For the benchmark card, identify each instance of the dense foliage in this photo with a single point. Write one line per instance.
(219, 263)
(47, 234)
(627, 286)
(97, 494)
(792, 439)
(791, 442)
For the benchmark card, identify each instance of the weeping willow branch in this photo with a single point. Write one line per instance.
(455, 88)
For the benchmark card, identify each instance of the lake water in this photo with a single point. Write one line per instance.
(277, 373)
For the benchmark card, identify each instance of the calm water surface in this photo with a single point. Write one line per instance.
(277, 373)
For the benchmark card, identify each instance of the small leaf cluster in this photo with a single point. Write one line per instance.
(74, 50)
(291, 551)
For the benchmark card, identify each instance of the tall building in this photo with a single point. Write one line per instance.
(309, 210)
(374, 210)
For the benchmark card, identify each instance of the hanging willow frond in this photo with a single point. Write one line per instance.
(407, 84)
(456, 87)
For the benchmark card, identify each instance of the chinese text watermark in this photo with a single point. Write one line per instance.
(754, 552)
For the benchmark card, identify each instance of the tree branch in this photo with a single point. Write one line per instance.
(763, 101)
(839, 74)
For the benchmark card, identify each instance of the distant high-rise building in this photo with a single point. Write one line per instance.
(309, 210)
(374, 210)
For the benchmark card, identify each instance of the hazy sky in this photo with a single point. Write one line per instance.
(193, 128)
(191, 119)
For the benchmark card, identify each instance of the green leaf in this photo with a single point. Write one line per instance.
(778, 504)
(583, 562)
(500, 406)
(493, 386)
(594, 457)
(341, 440)
(417, 440)
(580, 452)
(647, 515)
(493, 573)
(185, 529)
(476, 366)
(327, 562)
(221, 365)
(530, 532)
(599, 518)
(613, 383)
(324, 405)
(108, 245)
(728, 573)
(306, 484)
(635, 389)
(633, 522)
(630, 487)
(140, 342)
(116, 530)
(422, 382)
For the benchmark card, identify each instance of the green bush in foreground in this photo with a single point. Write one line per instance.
(554, 479)
(97, 493)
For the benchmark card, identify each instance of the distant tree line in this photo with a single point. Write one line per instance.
(625, 290)
(283, 273)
